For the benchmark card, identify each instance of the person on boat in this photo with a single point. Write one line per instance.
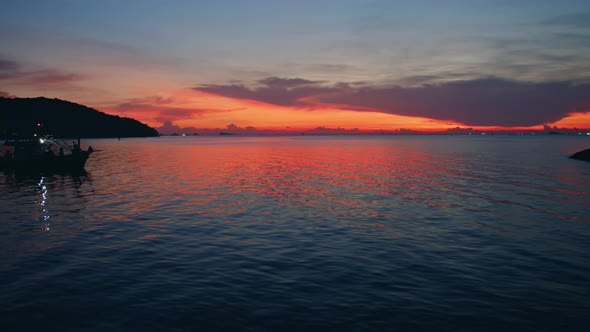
(75, 148)
(49, 153)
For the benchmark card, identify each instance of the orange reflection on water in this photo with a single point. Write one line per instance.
(343, 177)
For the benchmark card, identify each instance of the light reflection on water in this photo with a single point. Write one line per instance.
(427, 233)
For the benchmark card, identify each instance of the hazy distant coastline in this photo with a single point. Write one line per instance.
(168, 129)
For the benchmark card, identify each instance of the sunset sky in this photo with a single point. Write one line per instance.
(296, 65)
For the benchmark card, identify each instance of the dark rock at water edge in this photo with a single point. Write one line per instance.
(64, 119)
(581, 155)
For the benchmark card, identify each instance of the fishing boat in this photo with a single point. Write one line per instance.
(43, 154)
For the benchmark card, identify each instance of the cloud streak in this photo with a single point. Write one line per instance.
(476, 102)
(158, 109)
(8, 66)
(482, 102)
(6, 94)
(579, 20)
(13, 73)
(272, 90)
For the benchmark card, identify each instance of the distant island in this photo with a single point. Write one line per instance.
(63, 119)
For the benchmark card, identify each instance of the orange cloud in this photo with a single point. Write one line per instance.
(574, 120)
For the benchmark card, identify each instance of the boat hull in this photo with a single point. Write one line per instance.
(70, 162)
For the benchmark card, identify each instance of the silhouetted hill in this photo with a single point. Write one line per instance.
(64, 119)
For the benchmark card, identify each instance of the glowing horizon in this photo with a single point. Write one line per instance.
(210, 111)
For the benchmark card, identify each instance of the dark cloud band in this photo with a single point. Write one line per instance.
(477, 102)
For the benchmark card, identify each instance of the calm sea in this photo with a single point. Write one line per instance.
(367, 233)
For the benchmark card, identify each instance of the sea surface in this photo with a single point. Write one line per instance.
(302, 233)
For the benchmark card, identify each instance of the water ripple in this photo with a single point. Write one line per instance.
(299, 233)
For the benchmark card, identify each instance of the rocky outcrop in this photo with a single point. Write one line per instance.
(581, 155)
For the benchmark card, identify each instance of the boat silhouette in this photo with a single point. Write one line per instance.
(43, 154)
